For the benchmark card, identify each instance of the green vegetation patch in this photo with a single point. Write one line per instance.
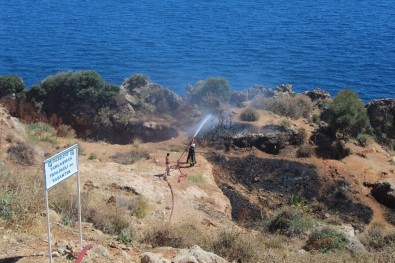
(290, 222)
(196, 179)
(326, 240)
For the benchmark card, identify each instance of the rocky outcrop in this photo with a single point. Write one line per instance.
(270, 139)
(382, 117)
(238, 97)
(284, 88)
(143, 95)
(193, 255)
(319, 97)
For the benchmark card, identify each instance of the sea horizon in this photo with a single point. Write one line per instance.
(309, 44)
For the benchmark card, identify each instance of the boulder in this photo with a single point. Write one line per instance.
(197, 255)
(354, 245)
(149, 257)
(270, 138)
(149, 97)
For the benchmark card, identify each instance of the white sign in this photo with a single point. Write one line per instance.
(61, 166)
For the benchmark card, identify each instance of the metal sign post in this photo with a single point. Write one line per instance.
(56, 169)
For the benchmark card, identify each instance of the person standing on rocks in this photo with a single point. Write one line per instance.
(167, 172)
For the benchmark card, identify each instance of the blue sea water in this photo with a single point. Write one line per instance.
(308, 43)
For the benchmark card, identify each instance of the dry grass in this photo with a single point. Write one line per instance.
(295, 107)
(21, 195)
(21, 153)
(129, 157)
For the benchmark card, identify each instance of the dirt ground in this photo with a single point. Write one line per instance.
(196, 198)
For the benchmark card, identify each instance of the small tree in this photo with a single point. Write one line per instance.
(11, 84)
(347, 114)
(217, 87)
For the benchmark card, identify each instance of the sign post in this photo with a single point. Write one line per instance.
(56, 169)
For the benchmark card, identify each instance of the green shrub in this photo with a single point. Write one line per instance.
(289, 222)
(326, 240)
(217, 87)
(43, 132)
(249, 115)
(21, 153)
(11, 84)
(316, 118)
(126, 239)
(339, 150)
(347, 115)
(130, 157)
(137, 81)
(82, 94)
(364, 139)
(299, 203)
(5, 209)
(295, 107)
(305, 151)
(301, 136)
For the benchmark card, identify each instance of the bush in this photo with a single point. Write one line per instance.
(295, 107)
(364, 139)
(11, 85)
(249, 115)
(65, 131)
(347, 115)
(232, 246)
(301, 136)
(129, 157)
(305, 151)
(82, 94)
(21, 153)
(377, 238)
(326, 240)
(289, 222)
(339, 150)
(137, 81)
(214, 86)
(177, 237)
(43, 132)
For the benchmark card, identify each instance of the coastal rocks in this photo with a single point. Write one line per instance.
(284, 88)
(193, 255)
(270, 139)
(382, 117)
(238, 97)
(318, 96)
(143, 95)
(383, 192)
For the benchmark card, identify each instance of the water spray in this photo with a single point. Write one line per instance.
(202, 124)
